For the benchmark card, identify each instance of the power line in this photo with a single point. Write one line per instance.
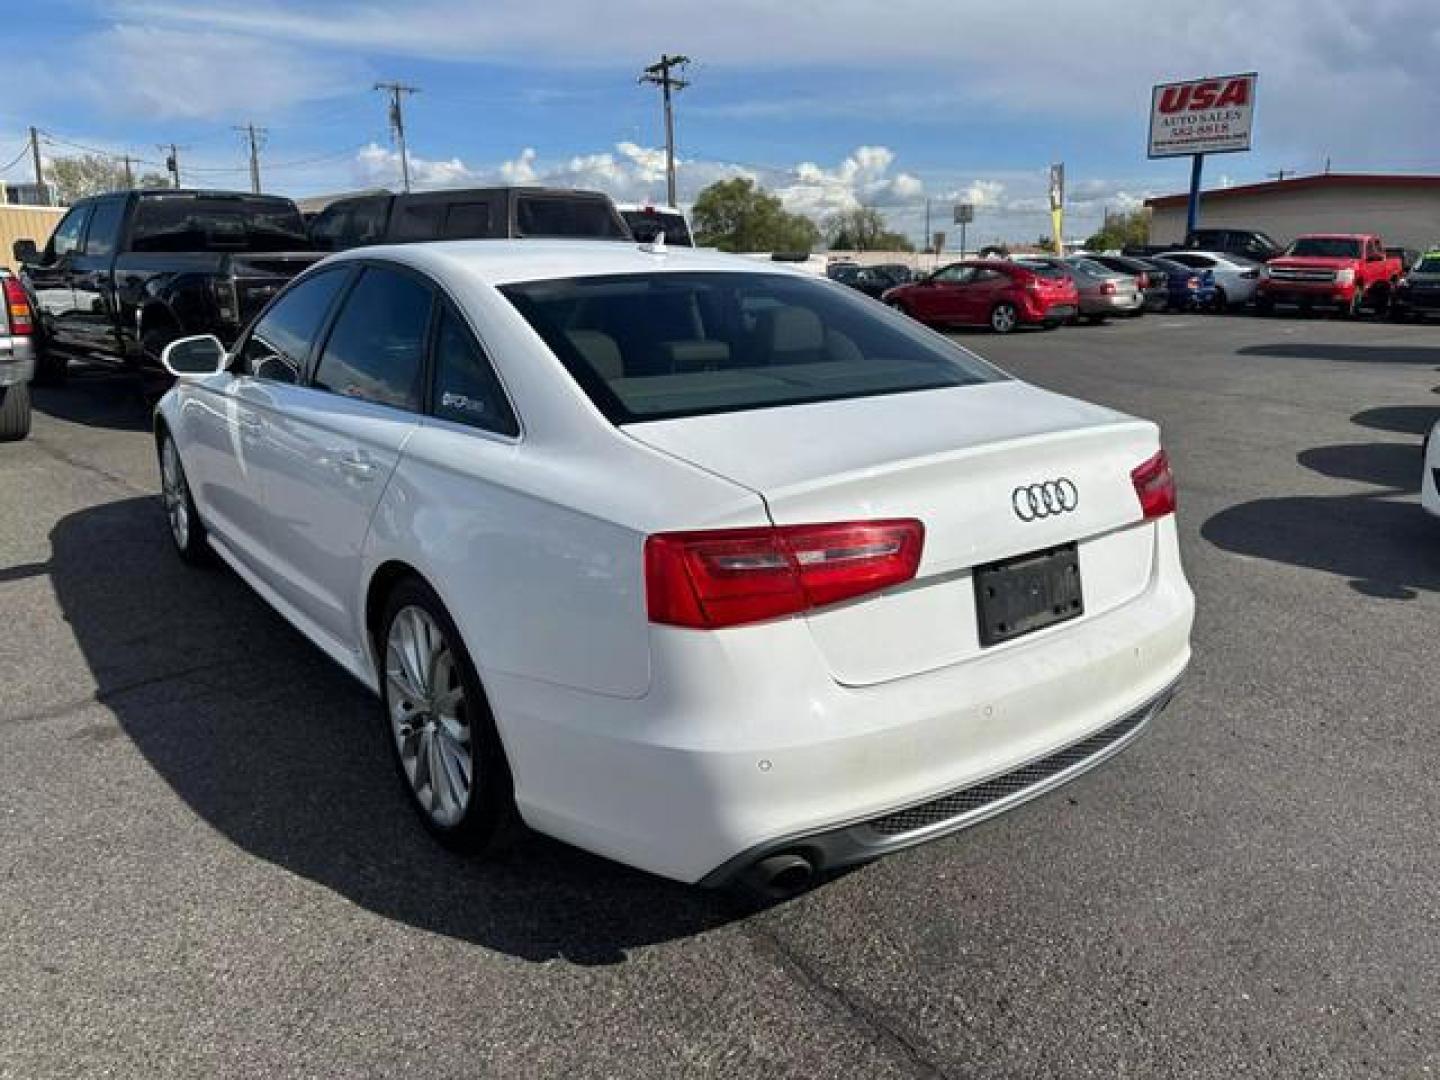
(25, 149)
(397, 122)
(658, 73)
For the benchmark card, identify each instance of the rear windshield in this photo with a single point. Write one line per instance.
(548, 215)
(187, 222)
(1326, 247)
(1045, 270)
(661, 345)
(646, 225)
(1430, 264)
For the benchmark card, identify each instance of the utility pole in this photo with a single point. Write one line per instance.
(40, 187)
(256, 137)
(172, 161)
(659, 74)
(397, 122)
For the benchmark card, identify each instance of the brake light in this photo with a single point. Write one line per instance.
(1192, 282)
(1155, 486)
(17, 306)
(1107, 288)
(1142, 282)
(728, 577)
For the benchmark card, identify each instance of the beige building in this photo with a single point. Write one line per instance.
(25, 222)
(1404, 210)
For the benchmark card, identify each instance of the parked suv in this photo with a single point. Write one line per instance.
(990, 292)
(17, 359)
(124, 274)
(1344, 270)
(467, 214)
(648, 223)
(1247, 243)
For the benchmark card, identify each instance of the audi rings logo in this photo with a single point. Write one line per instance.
(1032, 501)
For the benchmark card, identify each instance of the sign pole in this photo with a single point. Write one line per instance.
(1192, 216)
(962, 239)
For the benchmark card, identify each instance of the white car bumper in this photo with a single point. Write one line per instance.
(17, 360)
(746, 746)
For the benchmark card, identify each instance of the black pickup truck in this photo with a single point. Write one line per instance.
(126, 273)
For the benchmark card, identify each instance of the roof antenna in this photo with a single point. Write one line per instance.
(655, 246)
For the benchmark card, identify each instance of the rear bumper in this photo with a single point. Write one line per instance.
(1111, 305)
(952, 811)
(1411, 300)
(17, 360)
(746, 742)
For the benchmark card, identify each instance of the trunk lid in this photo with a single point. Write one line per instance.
(955, 459)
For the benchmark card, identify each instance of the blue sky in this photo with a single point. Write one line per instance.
(831, 104)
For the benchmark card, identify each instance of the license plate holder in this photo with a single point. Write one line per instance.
(1017, 596)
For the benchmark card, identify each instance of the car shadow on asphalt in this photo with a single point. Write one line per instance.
(1402, 419)
(98, 397)
(282, 753)
(1353, 354)
(1381, 540)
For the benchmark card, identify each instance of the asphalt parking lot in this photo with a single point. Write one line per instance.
(207, 869)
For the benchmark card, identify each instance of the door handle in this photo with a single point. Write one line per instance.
(357, 466)
(251, 425)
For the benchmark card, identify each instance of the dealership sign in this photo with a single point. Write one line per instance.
(1206, 116)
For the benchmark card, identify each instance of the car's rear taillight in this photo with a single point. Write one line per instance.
(727, 577)
(17, 307)
(1142, 282)
(1107, 288)
(1155, 485)
(1192, 282)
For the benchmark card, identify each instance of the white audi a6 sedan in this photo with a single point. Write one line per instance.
(720, 570)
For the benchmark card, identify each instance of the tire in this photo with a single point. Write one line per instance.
(423, 662)
(1004, 318)
(14, 412)
(187, 531)
(51, 368)
(1094, 320)
(1357, 301)
(1264, 306)
(1220, 303)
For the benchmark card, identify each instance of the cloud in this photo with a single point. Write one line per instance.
(167, 74)
(1319, 59)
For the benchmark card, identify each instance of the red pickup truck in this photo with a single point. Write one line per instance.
(1344, 270)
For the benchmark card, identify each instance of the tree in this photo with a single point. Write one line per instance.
(92, 174)
(736, 215)
(863, 229)
(1121, 231)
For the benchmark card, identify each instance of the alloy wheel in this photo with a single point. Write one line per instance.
(175, 494)
(1002, 319)
(425, 697)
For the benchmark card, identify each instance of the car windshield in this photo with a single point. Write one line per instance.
(1092, 268)
(668, 344)
(1326, 247)
(189, 222)
(1045, 269)
(1430, 264)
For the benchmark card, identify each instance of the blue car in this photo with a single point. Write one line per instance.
(1182, 289)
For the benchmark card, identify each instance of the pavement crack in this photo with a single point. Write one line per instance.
(88, 466)
(883, 1032)
(106, 695)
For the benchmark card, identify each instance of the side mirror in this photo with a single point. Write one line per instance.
(195, 356)
(25, 251)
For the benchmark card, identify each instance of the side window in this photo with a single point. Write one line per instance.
(468, 221)
(104, 234)
(466, 389)
(277, 346)
(66, 237)
(328, 230)
(953, 275)
(377, 350)
(367, 225)
(418, 221)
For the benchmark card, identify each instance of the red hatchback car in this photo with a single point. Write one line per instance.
(989, 292)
